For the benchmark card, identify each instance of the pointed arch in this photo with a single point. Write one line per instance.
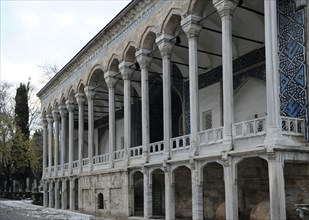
(129, 52)
(172, 21)
(114, 63)
(197, 7)
(148, 38)
(92, 78)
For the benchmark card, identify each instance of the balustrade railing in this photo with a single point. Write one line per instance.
(250, 128)
(58, 167)
(156, 147)
(136, 151)
(52, 169)
(85, 161)
(118, 155)
(211, 135)
(180, 142)
(293, 126)
(104, 158)
(75, 164)
(66, 166)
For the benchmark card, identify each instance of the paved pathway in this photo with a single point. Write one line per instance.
(24, 210)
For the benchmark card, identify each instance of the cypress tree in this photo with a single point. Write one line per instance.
(22, 109)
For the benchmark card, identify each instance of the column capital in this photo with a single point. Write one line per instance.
(165, 45)
(56, 115)
(70, 105)
(80, 98)
(44, 120)
(191, 26)
(50, 118)
(143, 58)
(110, 79)
(90, 92)
(63, 111)
(126, 70)
(225, 7)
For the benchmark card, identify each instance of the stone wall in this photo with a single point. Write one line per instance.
(115, 190)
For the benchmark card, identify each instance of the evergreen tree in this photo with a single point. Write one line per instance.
(22, 109)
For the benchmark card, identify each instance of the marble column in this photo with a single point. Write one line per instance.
(57, 195)
(226, 9)
(165, 46)
(147, 194)
(143, 58)
(111, 82)
(274, 132)
(90, 93)
(45, 146)
(45, 196)
(72, 194)
(63, 136)
(80, 99)
(192, 28)
(71, 107)
(231, 192)
(51, 195)
(276, 188)
(126, 72)
(64, 194)
(169, 195)
(50, 121)
(197, 196)
(56, 117)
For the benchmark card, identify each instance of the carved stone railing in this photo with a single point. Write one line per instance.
(118, 155)
(52, 169)
(75, 164)
(100, 159)
(156, 147)
(293, 126)
(66, 166)
(250, 128)
(180, 142)
(136, 151)
(58, 167)
(211, 135)
(85, 162)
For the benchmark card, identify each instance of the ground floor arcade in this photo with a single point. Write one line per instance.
(246, 186)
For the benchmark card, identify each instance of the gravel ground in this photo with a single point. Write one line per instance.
(24, 210)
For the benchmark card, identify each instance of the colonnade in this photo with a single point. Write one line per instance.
(275, 177)
(192, 27)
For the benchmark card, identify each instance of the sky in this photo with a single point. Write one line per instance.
(41, 32)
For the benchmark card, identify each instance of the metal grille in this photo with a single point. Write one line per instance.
(207, 120)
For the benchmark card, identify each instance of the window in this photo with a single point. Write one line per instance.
(100, 201)
(207, 120)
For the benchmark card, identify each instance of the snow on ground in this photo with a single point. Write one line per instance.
(26, 209)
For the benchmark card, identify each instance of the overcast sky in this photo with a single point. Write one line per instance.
(42, 32)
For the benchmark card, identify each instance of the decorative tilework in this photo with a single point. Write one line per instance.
(292, 60)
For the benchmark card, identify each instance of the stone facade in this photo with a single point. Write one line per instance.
(183, 110)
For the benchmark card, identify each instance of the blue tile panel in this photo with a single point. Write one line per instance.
(292, 60)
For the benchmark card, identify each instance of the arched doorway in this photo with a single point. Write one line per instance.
(253, 188)
(138, 187)
(183, 193)
(214, 191)
(158, 192)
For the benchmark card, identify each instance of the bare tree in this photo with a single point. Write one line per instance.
(7, 93)
(48, 72)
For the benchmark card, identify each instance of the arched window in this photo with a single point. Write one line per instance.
(100, 201)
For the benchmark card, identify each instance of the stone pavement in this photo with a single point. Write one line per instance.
(24, 210)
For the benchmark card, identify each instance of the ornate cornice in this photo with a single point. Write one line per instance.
(127, 20)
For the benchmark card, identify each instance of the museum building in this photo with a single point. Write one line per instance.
(183, 109)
